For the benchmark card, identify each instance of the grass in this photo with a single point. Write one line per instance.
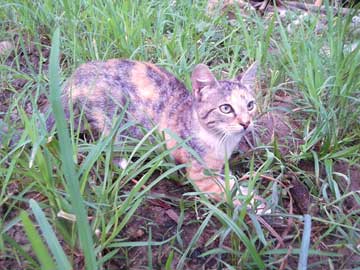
(46, 175)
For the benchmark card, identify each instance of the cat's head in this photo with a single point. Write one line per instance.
(224, 107)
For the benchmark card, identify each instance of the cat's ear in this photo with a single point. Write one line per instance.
(248, 78)
(200, 78)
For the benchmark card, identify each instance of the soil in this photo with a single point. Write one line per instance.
(159, 218)
(162, 219)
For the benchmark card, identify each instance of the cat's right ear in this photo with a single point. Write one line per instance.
(201, 78)
(248, 78)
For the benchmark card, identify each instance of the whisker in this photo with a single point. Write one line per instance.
(234, 129)
(221, 140)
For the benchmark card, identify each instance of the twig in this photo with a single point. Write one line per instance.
(291, 209)
(284, 260)
(266, 177)
(272, 231)
(290, 219)
(136, 182)
(315, 8)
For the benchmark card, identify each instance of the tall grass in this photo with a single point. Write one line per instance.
(72, 181)
(82, 199)
(328, 83)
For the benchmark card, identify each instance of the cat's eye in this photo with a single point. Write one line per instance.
(251, 105)
(226, 108)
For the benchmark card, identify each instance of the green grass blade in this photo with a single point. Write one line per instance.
(50, 237)
(169, 260)
(235, 228)
(193, 242)
(121, 244)
(38, 246)
(72, 181)
(305, 243)
(258, 229)
(20, 250)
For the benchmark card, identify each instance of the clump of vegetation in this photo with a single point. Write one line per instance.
(65, 203)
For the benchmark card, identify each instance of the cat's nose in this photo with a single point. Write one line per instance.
(245, 125)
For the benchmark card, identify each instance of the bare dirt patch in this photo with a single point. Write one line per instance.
(160, 219)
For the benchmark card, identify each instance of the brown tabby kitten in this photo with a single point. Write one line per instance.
(213, 118)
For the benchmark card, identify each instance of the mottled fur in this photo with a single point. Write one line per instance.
(213, 118)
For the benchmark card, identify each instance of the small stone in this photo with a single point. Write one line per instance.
(173, 215)
(5, 47)
(139, 233)
(123, 163)
(135, 233)
(98, 233)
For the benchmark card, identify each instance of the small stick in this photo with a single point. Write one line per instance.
(290, 219)
(272, 231)
(315, 8)
(285, 259)
(136, 182)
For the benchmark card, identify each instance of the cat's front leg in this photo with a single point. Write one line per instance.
(214, 186)
(209, 180)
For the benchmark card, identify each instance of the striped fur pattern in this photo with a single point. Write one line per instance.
(213, 118)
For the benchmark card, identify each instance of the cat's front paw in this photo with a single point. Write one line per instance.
(120, 162)
(257, 203)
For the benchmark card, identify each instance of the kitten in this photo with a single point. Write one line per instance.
(213, 118)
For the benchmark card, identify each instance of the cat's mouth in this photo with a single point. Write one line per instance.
(225, 134)
(236, 130)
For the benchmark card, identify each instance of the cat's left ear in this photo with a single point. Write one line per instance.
(201, 78)
(248, 78)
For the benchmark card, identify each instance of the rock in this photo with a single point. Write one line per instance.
(6, 47)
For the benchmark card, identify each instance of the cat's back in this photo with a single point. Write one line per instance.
(103, 87)
(141, 81)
